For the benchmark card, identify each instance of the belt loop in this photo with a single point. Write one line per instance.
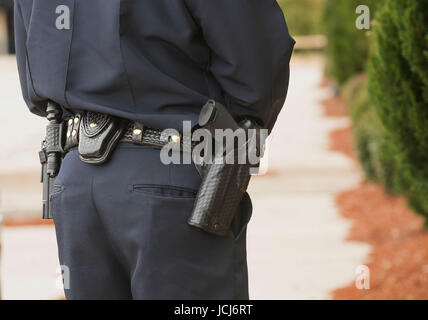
(137, 133)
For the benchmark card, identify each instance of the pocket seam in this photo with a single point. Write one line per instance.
(60, 188)
(145, 189)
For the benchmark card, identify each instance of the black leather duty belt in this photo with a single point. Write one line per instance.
(93, 124)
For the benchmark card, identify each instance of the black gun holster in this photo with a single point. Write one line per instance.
(223, 185)
(222, 189)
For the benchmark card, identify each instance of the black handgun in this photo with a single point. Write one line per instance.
(51, 154)
(223, 185)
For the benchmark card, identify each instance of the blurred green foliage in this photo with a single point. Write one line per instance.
(374, 147)
(398, 73)
(389, 106)
(348, 47)
(7, 4)
(304, 17)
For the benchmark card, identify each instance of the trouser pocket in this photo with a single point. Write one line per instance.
(164, 191)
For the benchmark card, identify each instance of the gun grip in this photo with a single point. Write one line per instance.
(214, 116)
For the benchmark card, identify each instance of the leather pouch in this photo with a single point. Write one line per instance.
(98, 136)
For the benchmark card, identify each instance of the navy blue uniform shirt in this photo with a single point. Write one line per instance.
(156, 61)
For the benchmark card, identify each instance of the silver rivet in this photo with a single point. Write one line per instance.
(70, 122)
(73, 133)
(137, 132)
(175, 138)
(68, 134)
(76, 120)
(93, 124)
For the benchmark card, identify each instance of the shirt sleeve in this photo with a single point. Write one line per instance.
(250, 53)
(21, 58)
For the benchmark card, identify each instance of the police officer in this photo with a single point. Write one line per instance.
(121, 226)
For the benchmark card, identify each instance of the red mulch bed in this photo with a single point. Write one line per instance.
(325, 82)
(399, 259)
(27, 223)
(340, 141)
(334, 107)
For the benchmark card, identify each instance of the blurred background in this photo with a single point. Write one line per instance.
(343, 209)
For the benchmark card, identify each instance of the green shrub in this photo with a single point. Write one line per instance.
(398, 72)
(372, 143)
(7, 4)
(304, 17)
(348, 47)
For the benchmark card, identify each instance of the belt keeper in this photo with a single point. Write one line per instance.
(137, 133)
(75, 130)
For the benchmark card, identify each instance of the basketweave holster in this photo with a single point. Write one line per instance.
(222, 189)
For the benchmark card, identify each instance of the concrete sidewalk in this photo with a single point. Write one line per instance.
(296, 246)
(29, 264)
(296, 240)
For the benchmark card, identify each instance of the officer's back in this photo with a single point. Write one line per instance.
(156, 61)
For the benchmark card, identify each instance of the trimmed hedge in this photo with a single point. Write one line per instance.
(348, 47)
(7, 4)
(389, 108)
(304, 17)
(373, 145)
(398, 72)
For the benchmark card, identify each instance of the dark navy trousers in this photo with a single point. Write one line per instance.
(122, 231)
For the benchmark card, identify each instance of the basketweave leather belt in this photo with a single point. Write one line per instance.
(94, 123)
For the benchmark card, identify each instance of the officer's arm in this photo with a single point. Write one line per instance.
(21, 57)
(251, 49)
